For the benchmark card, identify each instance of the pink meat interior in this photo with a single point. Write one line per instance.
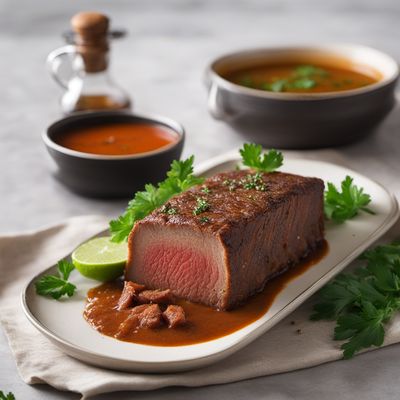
(187, 262)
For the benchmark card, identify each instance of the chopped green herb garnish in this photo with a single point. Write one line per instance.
(363, 302)
(231, 183)
(179, 178)
(9, 396)
(201, 206)
(204, 220)
(57, 286)
(254, 181)
(252, 157)
(340, 206)
(167, 209)
(206, 190)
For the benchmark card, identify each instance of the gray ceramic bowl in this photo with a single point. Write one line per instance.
(110, 176)
(297, 120)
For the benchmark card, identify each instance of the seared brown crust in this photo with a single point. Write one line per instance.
(232, 207)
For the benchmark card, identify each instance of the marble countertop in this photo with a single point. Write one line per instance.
(161, 64)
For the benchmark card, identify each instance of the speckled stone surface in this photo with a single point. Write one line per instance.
(161, 65)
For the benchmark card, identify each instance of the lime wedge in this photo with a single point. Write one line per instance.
(100, 259)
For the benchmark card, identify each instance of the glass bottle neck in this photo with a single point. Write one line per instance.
(95, 77)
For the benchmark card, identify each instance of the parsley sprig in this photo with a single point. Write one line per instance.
(252, 157)
(179, 178)
(345, 204)
(9, 396)
(364, 301)
(57, 286)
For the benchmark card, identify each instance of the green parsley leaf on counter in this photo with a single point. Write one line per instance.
(179, 178)
(9, 396)
(57, 286)
(364, 301)
(345, 204)
(252, 157)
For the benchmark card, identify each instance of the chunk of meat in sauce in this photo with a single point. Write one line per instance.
(155, 296)
(131, 322)
(129, 293)
(174, 316)
(151, 317)
(144, 316)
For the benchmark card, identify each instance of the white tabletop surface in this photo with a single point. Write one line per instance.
(161, 65)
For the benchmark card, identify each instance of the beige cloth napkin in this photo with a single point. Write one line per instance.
(281, 349)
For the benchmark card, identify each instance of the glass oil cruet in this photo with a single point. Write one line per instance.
(81, 68)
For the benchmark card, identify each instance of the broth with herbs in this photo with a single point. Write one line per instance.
(301, 78)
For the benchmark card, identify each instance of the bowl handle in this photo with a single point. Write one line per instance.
(214, 104)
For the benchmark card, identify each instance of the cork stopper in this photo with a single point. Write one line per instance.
(91, 39)
(88, 24)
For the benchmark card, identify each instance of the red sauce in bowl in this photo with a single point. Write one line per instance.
(118, 139)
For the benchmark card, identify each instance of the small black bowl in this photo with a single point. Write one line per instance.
(104, 176)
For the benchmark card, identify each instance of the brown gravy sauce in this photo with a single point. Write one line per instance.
(204, 323)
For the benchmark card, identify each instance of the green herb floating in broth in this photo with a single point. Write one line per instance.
(247, 81)
(300, 78)
(310, 70)
(303, 83)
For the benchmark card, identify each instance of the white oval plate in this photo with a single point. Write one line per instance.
(62, 321)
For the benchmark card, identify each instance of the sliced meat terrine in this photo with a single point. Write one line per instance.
(218, 243)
